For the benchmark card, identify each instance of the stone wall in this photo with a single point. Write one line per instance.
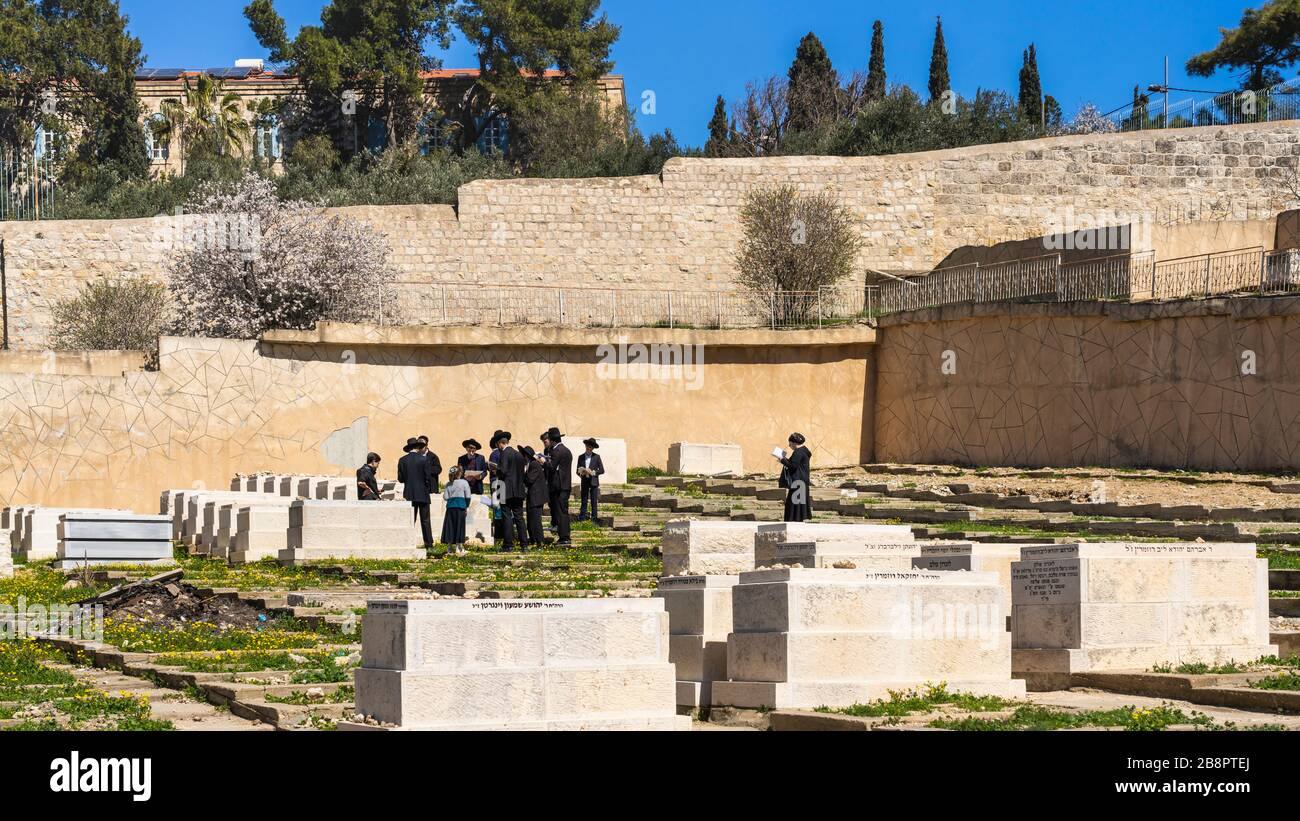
(303, 402)
(1118, 385)
(681, 231)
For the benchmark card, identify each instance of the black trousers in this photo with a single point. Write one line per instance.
(560, 513)
(535, 534)
(589, 493)
(512, 523)
(420, 510)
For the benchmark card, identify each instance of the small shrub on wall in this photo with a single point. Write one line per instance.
(252, 263)
(112, 315)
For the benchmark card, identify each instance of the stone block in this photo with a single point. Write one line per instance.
(807, 637)
(697, 459)
(40, 530)
(877, 557)
(349, 529)
(518, 664)
(1117, 606)
(983, 557)
(768, 535)
(693, 546)
(113, 538)
(699, 621)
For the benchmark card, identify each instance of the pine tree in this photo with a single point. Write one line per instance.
(1031, 88)
(876, 68)
(813, 87)
(720, 131)
(939, 80)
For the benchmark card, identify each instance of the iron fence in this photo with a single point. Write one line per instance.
(1278, 102)
(28, 185)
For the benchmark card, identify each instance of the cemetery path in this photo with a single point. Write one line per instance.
(1086, 699)
(183, 711)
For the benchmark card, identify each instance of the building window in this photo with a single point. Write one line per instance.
(496, 135)
(157, 149)
(267, 140)
(46, 144)
(436, 133)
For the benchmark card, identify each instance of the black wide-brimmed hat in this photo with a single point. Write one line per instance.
(412, 444)
(591, 443)
(554, 434)
(527, 451)
(471, 443)
(797, 438)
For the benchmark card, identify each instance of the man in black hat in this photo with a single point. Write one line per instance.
(590, 468)
(367, 480)
(507, 466)
(560, 475)
(414, 471)
(435, 464)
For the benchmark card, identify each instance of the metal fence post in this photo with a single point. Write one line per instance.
(444, 304)
(559, 296)
(719, 310)
(1208, 262)
(773, 311)
(501, 314)
(819, 307)
(613, 309)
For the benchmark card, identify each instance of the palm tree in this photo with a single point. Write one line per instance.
(206, 116)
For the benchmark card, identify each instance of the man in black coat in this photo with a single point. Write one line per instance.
(560, 475)
(435, 464)
(537, 494)
(508, 490)
(415, 472)
(590, 468)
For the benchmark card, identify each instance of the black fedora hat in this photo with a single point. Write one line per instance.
(527, 451)
(471, 443)
(591, 443)
(412, 444)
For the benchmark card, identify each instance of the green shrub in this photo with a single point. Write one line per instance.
(112, 315)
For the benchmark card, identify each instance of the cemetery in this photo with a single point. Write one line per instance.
(687, 605)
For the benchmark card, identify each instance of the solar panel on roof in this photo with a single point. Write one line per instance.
(159, 73)
(228, 73)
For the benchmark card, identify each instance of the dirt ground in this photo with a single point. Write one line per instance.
(1086, 485)
(172, 605)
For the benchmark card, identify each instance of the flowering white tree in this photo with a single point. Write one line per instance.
(1090, 120)
(250, 263)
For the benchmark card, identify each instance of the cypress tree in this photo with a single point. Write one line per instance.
(720, 131)
(813, 85)
(876, 68)
(1031, 88)
(939, 80)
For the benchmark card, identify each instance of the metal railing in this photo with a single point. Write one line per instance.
(447, 303)
(28, 185)
(1279, 102)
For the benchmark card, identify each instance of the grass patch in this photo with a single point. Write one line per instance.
(1289, 680)
(343, 695)
(906, 702)
(1032, 717)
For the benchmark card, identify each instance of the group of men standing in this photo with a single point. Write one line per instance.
(521, 480)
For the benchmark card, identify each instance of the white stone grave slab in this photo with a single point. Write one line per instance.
(114, 538)
(804, 637)
(698, 459)
(41, 531)
(696, 546)
(515, 664)
(699, 621)
(1106, 606)
(826, 535)
(326, 529)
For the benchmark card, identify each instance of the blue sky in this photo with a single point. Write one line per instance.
(689, 51)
